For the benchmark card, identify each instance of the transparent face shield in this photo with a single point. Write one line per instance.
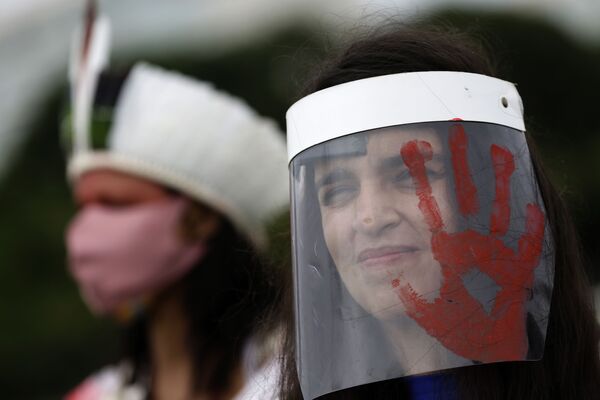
(417, 248)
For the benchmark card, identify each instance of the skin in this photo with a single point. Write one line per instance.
(112, 188)
(373, 227)
(168, 325)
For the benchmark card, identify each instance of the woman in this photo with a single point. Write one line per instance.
(176, 190)
(433, 256)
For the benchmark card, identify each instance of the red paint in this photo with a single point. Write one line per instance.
(456, 119)
(466, 193)
(504, 166)
(415, 153)
(395, 283)
(455, 318)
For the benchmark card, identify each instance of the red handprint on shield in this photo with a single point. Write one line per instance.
(456, 318)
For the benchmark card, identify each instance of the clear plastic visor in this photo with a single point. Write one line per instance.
(417, 248)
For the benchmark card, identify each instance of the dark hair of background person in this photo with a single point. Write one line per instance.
(570, 367)
(227, 299)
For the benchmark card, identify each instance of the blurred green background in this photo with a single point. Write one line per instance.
(48, 340)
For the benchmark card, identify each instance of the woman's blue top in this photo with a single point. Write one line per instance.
(432, 387)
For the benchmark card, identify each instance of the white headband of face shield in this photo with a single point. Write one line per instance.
(404, 98)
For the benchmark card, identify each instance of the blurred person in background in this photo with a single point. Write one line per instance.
(176, 184)
(433, 258)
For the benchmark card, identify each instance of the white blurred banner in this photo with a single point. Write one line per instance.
(35, 35)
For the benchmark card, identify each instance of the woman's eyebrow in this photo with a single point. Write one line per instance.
(395, 162)
(334, 176)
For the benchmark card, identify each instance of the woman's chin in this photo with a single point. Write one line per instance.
(386, 307)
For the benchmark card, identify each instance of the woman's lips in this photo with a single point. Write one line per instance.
(385, 256)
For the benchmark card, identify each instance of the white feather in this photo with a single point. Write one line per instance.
(84, 70)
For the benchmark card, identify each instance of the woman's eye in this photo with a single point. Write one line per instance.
(435, 174)
(403, 179)
(116, 203)
(337, 195)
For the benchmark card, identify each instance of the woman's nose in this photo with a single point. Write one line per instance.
(375, 211)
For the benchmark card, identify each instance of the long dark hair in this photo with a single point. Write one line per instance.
(570, 367)
(228, 299)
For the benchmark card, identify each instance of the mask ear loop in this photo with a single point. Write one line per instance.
(89, 57)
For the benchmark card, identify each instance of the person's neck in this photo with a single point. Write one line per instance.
(172, 366)
(172, 363)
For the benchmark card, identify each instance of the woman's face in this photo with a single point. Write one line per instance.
(373, 227)
(125, 248)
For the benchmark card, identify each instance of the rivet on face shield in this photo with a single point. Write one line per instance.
(505, 102)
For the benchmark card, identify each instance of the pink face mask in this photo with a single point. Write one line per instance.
(120, 256)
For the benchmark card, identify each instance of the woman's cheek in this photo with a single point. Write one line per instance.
(426, 279)
(336, 229)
